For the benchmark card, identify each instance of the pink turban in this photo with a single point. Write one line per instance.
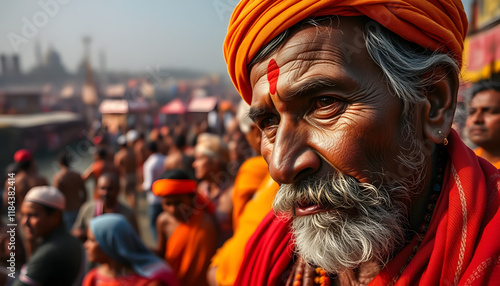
(434, 24)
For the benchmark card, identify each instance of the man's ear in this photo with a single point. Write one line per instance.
(439, 105)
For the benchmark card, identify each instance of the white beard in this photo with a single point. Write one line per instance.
(364, 222)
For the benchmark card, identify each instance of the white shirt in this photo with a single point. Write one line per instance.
(152, 170)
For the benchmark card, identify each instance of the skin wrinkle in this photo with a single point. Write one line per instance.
(368, 100)
(302, 63)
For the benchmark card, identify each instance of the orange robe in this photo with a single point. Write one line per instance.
(190, 248)
(250, 175)
(229, 257)
(479, 151)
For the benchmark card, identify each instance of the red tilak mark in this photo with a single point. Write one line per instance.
(273, 71)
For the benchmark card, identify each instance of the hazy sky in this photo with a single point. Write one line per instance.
(134, 35)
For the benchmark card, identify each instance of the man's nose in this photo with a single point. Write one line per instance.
(24, 220)
(477, 117)
(292, 158)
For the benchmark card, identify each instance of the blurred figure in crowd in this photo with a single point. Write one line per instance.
(125, 161)
(157, 137)
(152, 170)
(54, 256)
(123, 258)
(253, 171)
(100, 166)
(483, 122)
(135, 140)
(107, 189)
(70, 183)
(210, 164)
(176, 158)
(253, 194)
(26, 178)
(187, 234)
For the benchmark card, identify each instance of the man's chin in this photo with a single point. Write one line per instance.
(29, 235)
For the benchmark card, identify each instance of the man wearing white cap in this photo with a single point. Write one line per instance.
(56, 256)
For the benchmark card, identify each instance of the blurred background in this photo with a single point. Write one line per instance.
(71, 67)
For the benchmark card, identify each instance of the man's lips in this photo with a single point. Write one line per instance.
(476, 131)
(301, 210)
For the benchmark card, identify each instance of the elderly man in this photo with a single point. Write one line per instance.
(483, 122)
(56, 256)
(355, 100)
(210, 166)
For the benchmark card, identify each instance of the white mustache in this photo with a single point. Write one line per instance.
(338, 191)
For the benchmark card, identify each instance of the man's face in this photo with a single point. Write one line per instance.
(108, 190)
(202, 165)
(483, 122)
(36, 221)
(179, 206)
(333, 119)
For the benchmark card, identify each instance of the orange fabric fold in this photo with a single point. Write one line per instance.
(190, 248)
(166, 187)
(250, 175)
(434, 24)
(460, 247)
(229, 257)
(479, 152)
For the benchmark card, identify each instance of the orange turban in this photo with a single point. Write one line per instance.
(434, 24)
(166, 187)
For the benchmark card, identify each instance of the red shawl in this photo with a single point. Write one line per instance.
(461, 246)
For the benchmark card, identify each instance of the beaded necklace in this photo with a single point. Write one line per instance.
(321, 278)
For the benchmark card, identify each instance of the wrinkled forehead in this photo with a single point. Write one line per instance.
(338, 39)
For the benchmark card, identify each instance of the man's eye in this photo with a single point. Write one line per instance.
(324, 101)
(268, 121)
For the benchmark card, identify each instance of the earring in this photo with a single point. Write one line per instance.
(445, 140)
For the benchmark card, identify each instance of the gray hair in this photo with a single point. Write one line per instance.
(245, 123)
(408, 68)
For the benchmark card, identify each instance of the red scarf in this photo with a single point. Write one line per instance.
(461, 246)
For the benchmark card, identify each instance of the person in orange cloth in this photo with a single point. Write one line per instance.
(187, 234)
(227, 261)
(253, 171)
(355, 100)
(483, 121)
(254, 191)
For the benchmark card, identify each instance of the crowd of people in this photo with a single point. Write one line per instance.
(190, 192)
(340, 166)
